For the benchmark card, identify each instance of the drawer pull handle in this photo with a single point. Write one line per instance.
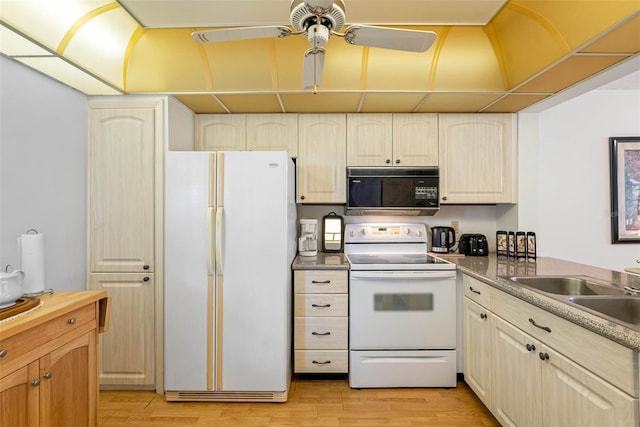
(326, 362)
(321, 333)
(72, 321)
(544, 328)
(47, 375)
(543, 356)
(324, 282)
(3, 352)
(473, 290)
(483, 316)
(531, 347)
(35, 382)
(320, 305)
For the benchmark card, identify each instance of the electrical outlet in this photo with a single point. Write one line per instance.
(455, 226)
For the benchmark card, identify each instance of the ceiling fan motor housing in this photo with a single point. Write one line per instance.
(303, 17)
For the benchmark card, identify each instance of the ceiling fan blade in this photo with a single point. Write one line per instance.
(389, 38)
(312, 69)
(241, 33)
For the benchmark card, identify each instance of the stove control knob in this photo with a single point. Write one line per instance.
(353, 234)
(419, 233)
(407, 230)
(364, 230)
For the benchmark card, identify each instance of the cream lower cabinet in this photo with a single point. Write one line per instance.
(477, 158)
(533, 377)
(321, 165)
(127, 350)
(321, 322)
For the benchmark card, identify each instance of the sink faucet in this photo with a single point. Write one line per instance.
(632, 290)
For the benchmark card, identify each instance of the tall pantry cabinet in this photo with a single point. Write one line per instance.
(127, 140)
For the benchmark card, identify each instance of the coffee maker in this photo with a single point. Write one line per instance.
(308, 240)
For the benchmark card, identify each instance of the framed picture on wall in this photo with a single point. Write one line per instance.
(625, 189)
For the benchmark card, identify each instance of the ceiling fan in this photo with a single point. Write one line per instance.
(318, 20)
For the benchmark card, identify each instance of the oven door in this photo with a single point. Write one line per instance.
(411, 310)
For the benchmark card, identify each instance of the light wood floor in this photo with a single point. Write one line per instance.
(312, 402)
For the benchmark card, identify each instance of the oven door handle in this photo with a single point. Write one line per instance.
(390, 275)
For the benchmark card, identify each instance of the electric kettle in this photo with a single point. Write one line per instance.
(442, 239)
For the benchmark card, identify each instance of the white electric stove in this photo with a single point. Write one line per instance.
(402, 308)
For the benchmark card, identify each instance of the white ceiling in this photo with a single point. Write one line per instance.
(214, 13)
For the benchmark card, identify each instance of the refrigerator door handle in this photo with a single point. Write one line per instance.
(219, 237)
(211, 239)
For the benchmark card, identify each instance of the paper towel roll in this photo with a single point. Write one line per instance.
(31, 249)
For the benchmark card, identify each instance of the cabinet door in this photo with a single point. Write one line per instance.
(477, 155)
(321, 165)
(69, 391)
(573, 396)
(415, 139)
(517, 394)
(221, 132)
(19, 396)
(127, 348)
(121, 189)
(369, 140)
(273, 132)
(478, 372)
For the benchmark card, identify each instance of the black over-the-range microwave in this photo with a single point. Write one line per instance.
(392, 191)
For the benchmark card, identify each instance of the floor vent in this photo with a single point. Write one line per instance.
(226, 396)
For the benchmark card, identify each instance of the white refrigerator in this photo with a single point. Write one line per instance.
(230, 239)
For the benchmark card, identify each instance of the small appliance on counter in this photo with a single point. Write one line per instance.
(473, 245)
(308, 240)
(332, 225)
(442, 239)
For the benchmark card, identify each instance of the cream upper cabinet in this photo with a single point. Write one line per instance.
(121, 189)
(369, 140)
(273, 132)
(477, 158)
(392, 140)
(221, 132)
(415, 139)
(321, 166)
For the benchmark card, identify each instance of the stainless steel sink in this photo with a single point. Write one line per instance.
(625, 308)
(566, 285)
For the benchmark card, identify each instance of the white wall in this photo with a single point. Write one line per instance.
(43, 171)
(567, 154)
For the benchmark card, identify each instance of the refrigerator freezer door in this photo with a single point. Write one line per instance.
(187, 260)
(258, 246)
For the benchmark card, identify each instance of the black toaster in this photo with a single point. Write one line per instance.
(473, 245)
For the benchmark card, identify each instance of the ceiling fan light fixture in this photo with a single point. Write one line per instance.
(318, 35)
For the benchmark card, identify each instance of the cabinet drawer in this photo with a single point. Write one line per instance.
(321, 305)
(477, 291)
(318, 361)
(18, 345)
(321, 333)
(611, 361)
(321, 282)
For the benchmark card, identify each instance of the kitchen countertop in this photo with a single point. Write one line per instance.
(322, 261)
(488, 269)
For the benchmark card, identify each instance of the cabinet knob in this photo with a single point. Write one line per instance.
(531, 347)
(35, 382)
(3, 352)
(47, 375)
(145, 267)
(543, 356)
(387, 161)
(145, 278)
(444, 197)
(483, 316)
(397, 161)
(72, 321)
(301, 197)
